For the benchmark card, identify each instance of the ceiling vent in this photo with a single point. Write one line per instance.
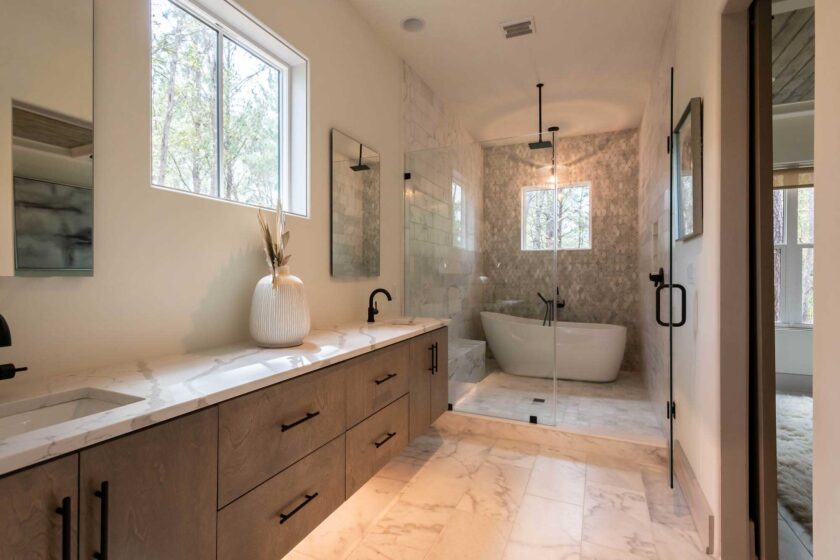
(518, 27)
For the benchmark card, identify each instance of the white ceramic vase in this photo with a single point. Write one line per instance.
(279, 312)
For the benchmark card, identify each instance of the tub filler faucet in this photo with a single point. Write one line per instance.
(551, 307)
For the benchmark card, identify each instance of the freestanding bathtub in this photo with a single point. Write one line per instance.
(585, 351)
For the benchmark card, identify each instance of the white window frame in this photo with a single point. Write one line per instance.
(232, 22)
(790, 293)
(557, 189)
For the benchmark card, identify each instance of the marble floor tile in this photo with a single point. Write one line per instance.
(515, 453)
(617, 518)
(545, 530)
(558, 476)
(405, 531)
(674, 543)
(496, 491)
(609, 471)
(468, 536)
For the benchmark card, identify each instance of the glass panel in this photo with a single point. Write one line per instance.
(808, 285)
(805, 215)
(183, 100)
(251, 132)
(777, 283)
(538, 219)
(573, 222)
(459, 224)
(778, 217)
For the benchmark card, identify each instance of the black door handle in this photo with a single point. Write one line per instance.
(286, 516)
(683, 301)
(65, 511)
(434, 349)
(102, 494)
(378, 444)
(658, 278)
(384, 379)
(309, 416)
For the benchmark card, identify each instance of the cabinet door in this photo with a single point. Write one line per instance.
(440, 374)
(154, 492)
(31, 526)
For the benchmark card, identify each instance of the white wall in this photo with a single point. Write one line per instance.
(176, 272)
(794, 350)
(826, 273)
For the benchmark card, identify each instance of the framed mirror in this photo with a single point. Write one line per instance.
(354, 204)
(688, 171)
(46, 138)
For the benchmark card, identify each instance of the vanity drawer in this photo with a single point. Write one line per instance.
(269, 521)
(375, 381)
(373, 443)
(262, 433)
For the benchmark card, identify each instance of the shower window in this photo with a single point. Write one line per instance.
(567, 224)
(793, 237)
(459, 218)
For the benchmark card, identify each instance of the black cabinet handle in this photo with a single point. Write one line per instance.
(102, 494)
(378, 444)
(286, 516)
(683, 298)
(434, 349)
(65, 512)
(384, 379)
(309, 416)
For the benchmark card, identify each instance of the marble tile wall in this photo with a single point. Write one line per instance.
(355, 220)
(441, 279)
(600, 284)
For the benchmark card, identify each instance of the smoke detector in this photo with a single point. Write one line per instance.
(518, 28)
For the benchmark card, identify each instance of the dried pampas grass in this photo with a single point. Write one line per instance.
(275, 240)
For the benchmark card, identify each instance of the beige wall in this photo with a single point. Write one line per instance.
(826, 273)
(176, 272)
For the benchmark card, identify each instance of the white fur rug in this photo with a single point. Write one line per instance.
(794, 437)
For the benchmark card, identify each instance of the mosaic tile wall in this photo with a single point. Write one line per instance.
(355, 220)
(441, 280)
(599, 285)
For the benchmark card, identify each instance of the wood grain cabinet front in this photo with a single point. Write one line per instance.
(262, 433)
(151, 494)
(373, 443)
(39, 511)
(376, 380)
(271, 519)
(429, 380)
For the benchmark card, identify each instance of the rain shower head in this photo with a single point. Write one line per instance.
(360, 166)
(540, 144)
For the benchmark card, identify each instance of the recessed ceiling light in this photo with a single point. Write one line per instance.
(413, 24)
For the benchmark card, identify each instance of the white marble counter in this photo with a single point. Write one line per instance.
(175, 385)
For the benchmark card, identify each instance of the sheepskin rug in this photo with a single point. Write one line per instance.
(794, 440)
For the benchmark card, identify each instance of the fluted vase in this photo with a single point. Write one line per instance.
(279, 311)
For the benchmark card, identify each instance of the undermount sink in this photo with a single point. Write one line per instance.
(32, 414)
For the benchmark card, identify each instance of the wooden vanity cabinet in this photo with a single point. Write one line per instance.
(429, 380)
(154, 491)
(31, 526)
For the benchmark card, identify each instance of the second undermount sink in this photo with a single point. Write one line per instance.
(32, 414)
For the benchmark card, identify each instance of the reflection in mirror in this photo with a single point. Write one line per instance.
(47, 118)
(355, 208)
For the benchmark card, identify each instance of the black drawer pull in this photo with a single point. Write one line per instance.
(309, 416)
(102, 494)
(286, 516)
(66, 530)
(378, 444)
(384, 379)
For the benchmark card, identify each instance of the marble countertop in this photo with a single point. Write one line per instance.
(175, 385)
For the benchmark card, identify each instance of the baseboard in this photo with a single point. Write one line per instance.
(794, 383)
(701, 512)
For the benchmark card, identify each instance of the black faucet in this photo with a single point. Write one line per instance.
(373, 310)
(7, 371)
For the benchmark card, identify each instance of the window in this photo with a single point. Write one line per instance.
(793, 256)
(459, 217)
(224, 120)
(571, 228)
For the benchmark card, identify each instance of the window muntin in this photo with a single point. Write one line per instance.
(793, 262)
(556, 217)
(229, 116)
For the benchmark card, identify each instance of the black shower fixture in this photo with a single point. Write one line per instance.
(540, 144)
(360, 166)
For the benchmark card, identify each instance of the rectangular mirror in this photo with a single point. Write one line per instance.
(688, 170)
(355, 208)
(46, 138)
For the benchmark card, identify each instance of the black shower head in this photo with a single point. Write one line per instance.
(539, 145)
(360, 166)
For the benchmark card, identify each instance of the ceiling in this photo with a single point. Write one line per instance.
(793, 56)
(596, 58)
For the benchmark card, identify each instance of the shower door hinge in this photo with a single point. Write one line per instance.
(407, 176)
(670, 410)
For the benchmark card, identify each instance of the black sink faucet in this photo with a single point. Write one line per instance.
(373, 310)
(7, 371)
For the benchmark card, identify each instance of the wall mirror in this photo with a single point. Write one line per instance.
(688, 171)
(46, 138)
(355, 208)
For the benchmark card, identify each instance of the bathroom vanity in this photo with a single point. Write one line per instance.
(229, 455)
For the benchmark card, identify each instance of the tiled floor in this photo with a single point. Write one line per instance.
(794, 541)
(619, 409)
(453, 496)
